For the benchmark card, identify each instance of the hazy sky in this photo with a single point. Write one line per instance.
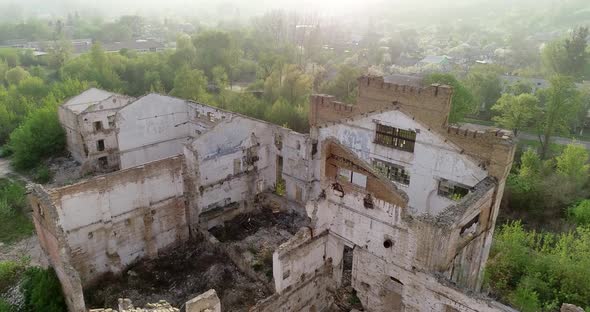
(246, 8)
(192, 7)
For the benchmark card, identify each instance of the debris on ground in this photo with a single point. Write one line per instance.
(178, 276)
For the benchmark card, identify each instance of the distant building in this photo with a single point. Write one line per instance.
(441, 62)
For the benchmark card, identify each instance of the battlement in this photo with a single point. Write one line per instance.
(492, 134)
(434, 90)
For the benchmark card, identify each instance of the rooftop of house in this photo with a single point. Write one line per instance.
(84, 100)
(133, 45)
(435, 59)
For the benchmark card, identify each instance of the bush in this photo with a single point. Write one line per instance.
(43, 174)
(5, 151)
(38, 137)
(580, 213)
(42, 291)
(14, 223)
(540, 271)
(10, 273)
(5, 306)
(12, 198)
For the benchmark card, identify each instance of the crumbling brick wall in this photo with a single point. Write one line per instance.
(111, 221)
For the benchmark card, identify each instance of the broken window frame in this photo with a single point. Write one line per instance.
(404, 140)
(393, 172)
(452, 190)
(97, 125)
(111, 120)
(352, 177)
(103, 162)
(100, 146)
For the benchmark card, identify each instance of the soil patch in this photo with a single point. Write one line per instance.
(248, 224)
(178, 276)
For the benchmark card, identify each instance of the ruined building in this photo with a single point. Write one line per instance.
(383, 197)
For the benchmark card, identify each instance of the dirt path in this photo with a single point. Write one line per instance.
(4, 167)
(28, 247)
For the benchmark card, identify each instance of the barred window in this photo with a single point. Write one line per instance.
(397, 138)
(393, 172)
(452, 190)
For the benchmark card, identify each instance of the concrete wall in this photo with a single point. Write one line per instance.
(153, 127)
(433, 158)
(114, 220)
(52, 240)
(382, 285)
(236, 160)
(82, 137)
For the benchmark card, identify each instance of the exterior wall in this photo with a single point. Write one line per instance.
(153, 127)
(52, 240)
(307, 269)
(432, 159)
(114, 220)
(74, 140)
(82, 137)
(236, 160)
(382, 285)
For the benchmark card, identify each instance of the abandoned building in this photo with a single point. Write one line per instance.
(383, 197)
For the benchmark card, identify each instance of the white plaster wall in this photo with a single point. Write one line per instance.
(152, 128)
(433, 158)
(104, 221)
(347, 219)
(420, 291)
(229, 140)
(296, 153)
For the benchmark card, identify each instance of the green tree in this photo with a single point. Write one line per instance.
(42, 291)
(214, 48)
(39, 136)
(281, 113)
(560, 102)
(569, 56)
(15, 75)
(296, 85)
(580, 213)
(220, 78)
(185, 53)
(515, 112)
(190, 84)
(462, 102)
(520, 87)
(59, 53)
(485, 85)
(345, 86)
(573, 164)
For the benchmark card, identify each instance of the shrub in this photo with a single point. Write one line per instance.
(38, 137)
(12, 198)
(5, 306)
(525, 299)
(43, 174)
(5, 151)
(580, 213)
(9, 273)
(42, 291)
(540, 271)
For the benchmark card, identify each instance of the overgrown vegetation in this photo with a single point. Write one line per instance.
(42, 291)
(544, 189)
(40, 288)
(539, 271)
(15, 224)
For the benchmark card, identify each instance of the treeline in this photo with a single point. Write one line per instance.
(251, 71)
